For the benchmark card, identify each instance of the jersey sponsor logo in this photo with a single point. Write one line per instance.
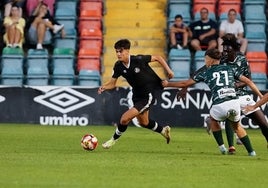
(64, 100)
(226, 92)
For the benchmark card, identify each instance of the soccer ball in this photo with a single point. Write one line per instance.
(89, 142)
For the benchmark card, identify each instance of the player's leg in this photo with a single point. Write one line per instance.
(145, 122)
(230, 137)
(242, 134)
(217, 133)
(259, 118)
(257, 115)
(121, 127)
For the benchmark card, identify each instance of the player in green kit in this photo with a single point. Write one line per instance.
(225, 104)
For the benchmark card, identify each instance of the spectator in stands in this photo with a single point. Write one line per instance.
(203, 33)
(178, 33)
(32, 4)
(235, 26)
(42, 26)
(14, 28)
(8, 5)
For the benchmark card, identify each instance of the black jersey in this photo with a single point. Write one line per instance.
(139, 75)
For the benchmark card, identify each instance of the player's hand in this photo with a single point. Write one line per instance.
(164, 83)
(181, 94)
(101, 89)
(247, 109)
(170, 74)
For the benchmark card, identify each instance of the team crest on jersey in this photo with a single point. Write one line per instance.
(137, 70)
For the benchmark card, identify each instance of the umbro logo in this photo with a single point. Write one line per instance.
(64, 100)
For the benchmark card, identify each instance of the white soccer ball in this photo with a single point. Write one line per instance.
(89, 142)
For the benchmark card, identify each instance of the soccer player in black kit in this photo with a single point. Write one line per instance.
(144, 82)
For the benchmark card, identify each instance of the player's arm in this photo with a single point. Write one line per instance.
(251, 84)
(179, 84)
(108, 85)
(259, 103)
(164, 64)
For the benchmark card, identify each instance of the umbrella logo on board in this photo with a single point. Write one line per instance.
(64, 100)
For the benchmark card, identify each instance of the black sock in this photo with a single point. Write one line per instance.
(246, 142)
(152, 125)
(229, 133)
(119, 131)
(218, 137)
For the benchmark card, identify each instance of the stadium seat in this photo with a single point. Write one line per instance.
(63, 68)
(258, 67)
(181, 8)
(199, 59)
(89, 78)
(260, 79)
(88, 64)
(63, 53)
(65, 13)
(91, 44)
(254, 12)
(204, 1)
(176, 54)
(66, 4)
(91, 5)
(68, 23)
(62, 75)
(91, 34)
(89, 52)
(91, 14)
(256, 41)
(255, 25)
(12, 71)
(257, 56)
(66, 42)
(12, 66)
(224, 8)
(89, 24)
(210, 6)
(179, 61)
(12, 52)
(37, 62)
(211, 9)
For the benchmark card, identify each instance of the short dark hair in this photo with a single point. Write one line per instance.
(232, 10)
(213, 53)
(123, 43)
(178, 16)
(204, 8)
(15, 5)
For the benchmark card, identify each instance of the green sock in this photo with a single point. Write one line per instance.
(229, 133)
(218, 137)
(245, 140)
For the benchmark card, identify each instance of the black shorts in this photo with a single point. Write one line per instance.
(143, 104)
(206, 40)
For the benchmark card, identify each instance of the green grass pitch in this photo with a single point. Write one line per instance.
(51, 156)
